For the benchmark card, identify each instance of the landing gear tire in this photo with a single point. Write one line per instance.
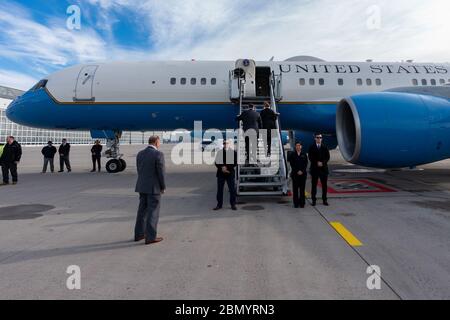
(114, 166)
(124, 165)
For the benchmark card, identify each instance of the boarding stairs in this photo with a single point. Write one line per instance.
(267, 176)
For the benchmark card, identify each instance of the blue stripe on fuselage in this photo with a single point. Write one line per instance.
(38, 109)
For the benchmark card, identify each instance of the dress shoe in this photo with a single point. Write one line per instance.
(233, 208)
(302, 206)
(137, 239)
(4, 184)
(295, 206)
(159, 239)
(325, 203)
(313, 203)
(217, 208)
(61, 171)
(14, 182)
(93, 170)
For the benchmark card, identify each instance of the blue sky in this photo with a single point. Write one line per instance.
(35, 41)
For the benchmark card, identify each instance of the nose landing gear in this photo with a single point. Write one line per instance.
(116, 164)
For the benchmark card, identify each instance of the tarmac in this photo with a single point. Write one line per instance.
(396, 221)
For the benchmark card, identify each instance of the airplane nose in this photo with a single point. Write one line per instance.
(11, 110)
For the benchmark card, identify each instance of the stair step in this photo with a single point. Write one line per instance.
(259, 175)
(260, 184)
(256, 168)
(260, 193)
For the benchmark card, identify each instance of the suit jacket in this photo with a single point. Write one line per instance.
(150, 165)
(269, 118)
(250, 120)
(11, 153)
(64, 149)
(96, 150)
(228, 159)
(298, 163)
(48, 151)
(316, 155)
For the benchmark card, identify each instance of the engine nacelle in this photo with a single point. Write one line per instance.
(393, 129)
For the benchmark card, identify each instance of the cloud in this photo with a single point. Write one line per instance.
(16, 80)
(24, 38)
(229, 29)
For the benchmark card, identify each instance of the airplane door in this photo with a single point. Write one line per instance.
(85, 83)
(249, 68)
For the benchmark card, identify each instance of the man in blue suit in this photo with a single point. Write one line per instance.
(150, 185)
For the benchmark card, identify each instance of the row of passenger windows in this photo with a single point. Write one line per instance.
(321, 82)
(424, 82)
(193, 81)
(368, 82)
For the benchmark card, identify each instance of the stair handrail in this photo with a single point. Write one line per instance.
(282, 161)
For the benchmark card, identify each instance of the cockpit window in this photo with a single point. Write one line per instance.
(39, 85)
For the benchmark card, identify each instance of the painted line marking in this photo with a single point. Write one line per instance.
(347, 235)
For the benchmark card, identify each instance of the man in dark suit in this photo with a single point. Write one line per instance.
(12, 153)
(48, 152)
(64, 151)
(319, 155)
(150, 185)
(226, 161)
(96, 152)
(269, 123)
(299, 163)
(251, 123)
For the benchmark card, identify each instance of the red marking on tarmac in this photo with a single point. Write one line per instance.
(346, 186)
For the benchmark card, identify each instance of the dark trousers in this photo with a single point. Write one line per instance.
(147, 216)
(323, 180)
(96, 160)
(298, 190)
(251, 145)
(229, 179)
(64, 160)
(6, 169)
(268, 141)
(46, 162)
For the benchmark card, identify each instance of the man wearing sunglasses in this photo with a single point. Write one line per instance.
(319, 155)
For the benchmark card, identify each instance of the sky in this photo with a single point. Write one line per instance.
(36, 40)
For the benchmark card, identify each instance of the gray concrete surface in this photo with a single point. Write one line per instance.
(277, 252)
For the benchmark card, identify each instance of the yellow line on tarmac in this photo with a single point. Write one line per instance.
(347, 235)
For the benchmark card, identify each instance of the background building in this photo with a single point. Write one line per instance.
(33, 136)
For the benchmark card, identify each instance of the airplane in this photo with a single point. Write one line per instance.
(380, 114)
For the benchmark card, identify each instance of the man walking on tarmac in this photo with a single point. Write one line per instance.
(12, 152)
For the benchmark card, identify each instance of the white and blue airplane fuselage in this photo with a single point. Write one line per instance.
(336, 98)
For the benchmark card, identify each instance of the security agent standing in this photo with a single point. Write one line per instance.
(299, 164)
(251, 120)
(64, 151)
(269, 118)
(226, 161)
(49, 152)
(96, 151)
(12, 152)
(150, 185)
(319, 155)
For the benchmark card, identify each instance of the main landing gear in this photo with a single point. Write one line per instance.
(116, 164)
